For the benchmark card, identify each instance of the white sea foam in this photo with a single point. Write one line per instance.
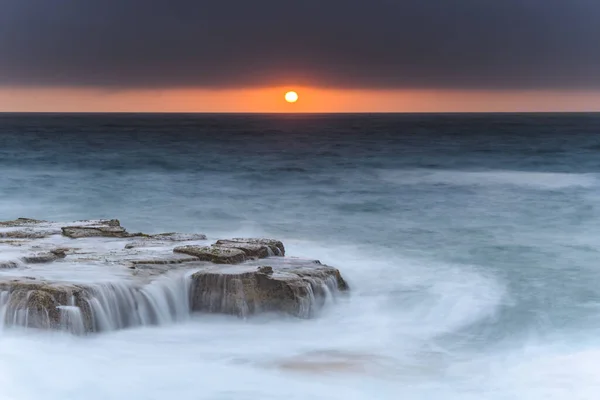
(533, 180)
(389, 351)
(384, 345)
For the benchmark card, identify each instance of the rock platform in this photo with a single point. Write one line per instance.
(94, 276)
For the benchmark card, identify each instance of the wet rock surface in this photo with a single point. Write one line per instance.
(177, 237)
(50, 256)
(21, 222)
(94, 276)
(24, 234)
(32, 304)
(109, 230)
(8, 264)
(254, 247)
(293, 286)
(214, 254)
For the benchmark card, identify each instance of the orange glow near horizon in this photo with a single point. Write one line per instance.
(269, 100)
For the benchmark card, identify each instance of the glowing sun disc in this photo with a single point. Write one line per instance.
(291, 97)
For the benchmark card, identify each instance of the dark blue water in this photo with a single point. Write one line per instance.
(472, 242)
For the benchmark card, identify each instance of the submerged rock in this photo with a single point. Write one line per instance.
(320, 362)
(8, 264)
(265, 270)
(60, 252)
(165, 259)
(17, 242)
(45, 257)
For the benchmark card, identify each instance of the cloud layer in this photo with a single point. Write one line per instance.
(464, 44)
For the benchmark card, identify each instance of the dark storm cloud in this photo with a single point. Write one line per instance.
(341, 43)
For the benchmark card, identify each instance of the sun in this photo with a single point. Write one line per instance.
(291, 97)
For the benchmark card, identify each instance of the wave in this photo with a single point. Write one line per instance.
(526, 179)
(436, 298)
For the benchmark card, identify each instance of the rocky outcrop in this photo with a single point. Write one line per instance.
(177, 237)
(234, 251)
(214, 254)
(94, 276)
(260, 248)
(113, 228)
(110, 228)
(24, 234)
(20, 222)
(46, 306)
(297, 288)
(158, 240)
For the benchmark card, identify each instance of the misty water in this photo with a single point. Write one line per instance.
(471, 244)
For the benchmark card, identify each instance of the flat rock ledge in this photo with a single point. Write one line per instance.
(94, 276)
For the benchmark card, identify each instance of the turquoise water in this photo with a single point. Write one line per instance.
(471, 243)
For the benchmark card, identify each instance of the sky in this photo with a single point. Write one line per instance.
(340, 56)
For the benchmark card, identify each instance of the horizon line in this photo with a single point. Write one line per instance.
(297, 113)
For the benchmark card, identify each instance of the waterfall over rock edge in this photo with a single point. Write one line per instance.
(95, 308)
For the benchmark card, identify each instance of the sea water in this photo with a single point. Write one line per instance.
(471, 244)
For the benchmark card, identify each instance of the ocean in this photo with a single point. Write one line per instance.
(471, 243)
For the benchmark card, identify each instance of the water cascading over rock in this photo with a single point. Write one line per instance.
(94, 276)
(95, 307)
(298, 288)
